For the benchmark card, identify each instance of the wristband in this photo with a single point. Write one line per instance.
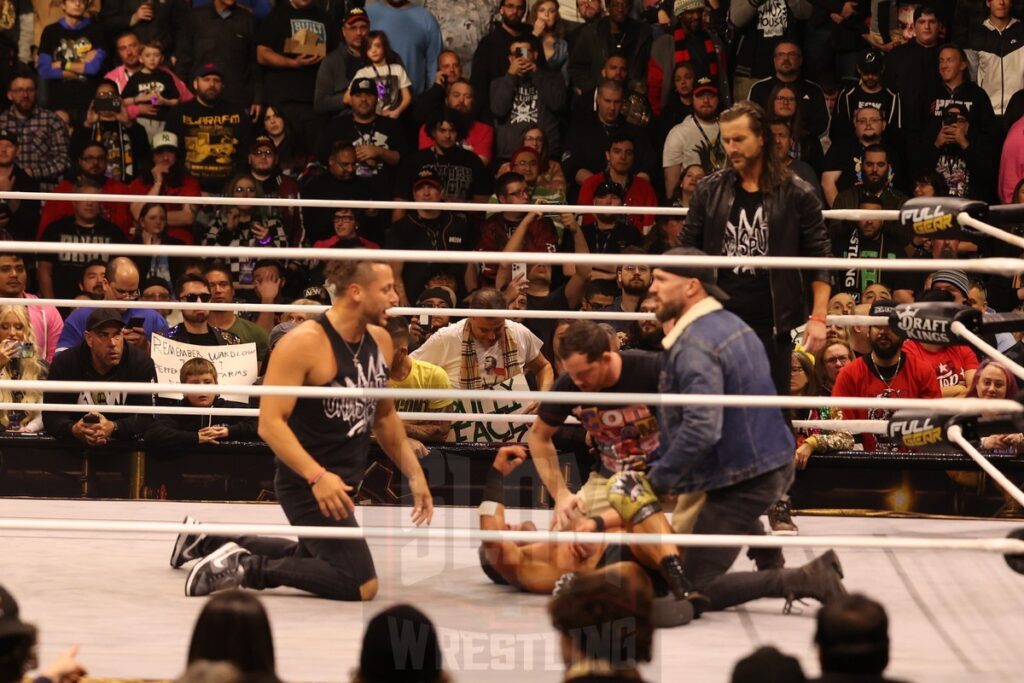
(599, 522)
(316, 477)
(818, 319)
(488, 508)
(494, 486)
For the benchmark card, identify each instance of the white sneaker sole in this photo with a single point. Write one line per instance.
(221, 552)
(179, 542)
(784, 532)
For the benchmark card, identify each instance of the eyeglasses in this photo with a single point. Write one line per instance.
(197, 297)
(427, 303)
(837, 360)
(785, 98)
(131, 294)
(796, 370)
(264, 152)
(242, 188)
(344, 219)
(21, 91)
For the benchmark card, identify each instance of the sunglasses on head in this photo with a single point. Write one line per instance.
(200, 298)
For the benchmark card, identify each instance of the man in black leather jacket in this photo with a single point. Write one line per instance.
(758, 208)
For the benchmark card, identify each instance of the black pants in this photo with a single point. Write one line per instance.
(779, 348)
(736, 510)
(333, 569)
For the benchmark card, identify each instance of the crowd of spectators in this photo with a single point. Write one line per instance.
(604, 628)
(869, 103)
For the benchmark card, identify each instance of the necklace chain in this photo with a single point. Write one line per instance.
(355, 354)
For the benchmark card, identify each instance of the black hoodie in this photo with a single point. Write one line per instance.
(182, 431)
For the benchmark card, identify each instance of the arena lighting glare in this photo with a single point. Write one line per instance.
(901, 499)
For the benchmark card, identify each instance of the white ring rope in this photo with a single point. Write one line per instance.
(992, 352)
(982, 265)
(968, 406)
(471, 207)
(966, 219)
(956, 435)
(987, 545)
(851, 426)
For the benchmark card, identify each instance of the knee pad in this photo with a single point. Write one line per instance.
(630, 494)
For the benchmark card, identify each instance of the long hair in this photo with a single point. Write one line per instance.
(796, 127)
(31, 368)
(233, 627)
(806, 362)
(390, 56)
(559, 30)
(821, 368)
(773, 172)
(1011, 381)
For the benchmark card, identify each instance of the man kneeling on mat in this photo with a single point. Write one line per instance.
(551, 567)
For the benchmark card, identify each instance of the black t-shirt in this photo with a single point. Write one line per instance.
(626, 436)
(554, 301)
(144, 86)
(856, 279)
(284, 22)
(67, 46)
(614, 241)
(68, 267)
(381, 132)
(207, 339)
(213, 139)
(746, 234)
(461, 171)
(448, 232)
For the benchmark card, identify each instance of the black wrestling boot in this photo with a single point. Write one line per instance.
(820, 579)
(672, 571)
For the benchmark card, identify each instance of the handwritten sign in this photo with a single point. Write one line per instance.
(472, 431)
(236, 363)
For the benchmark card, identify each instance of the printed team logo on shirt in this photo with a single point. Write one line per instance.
(314, 27)
(625, 437)
(359, 413)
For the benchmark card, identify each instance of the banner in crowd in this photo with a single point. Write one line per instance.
(235, 363)
(472, 431)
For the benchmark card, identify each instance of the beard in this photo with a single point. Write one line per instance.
(634, 287)
(668, 310)
(885, 349)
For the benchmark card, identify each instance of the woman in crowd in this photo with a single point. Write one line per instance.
(151, 231)
(551, 175)
(549, 29)
(291, 155)
(385, 657)
(830, 360)
(680, 100)
(688, 180)
(233, 627)
(244, 226)
(19, 360)
(840, 304)
(784, 104)
(994, 381)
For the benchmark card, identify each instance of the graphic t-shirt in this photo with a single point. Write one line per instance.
(145, 86)
(286, 22)
(68, 266)
(626, 436)
(423, 375)
(213, 140)
(950, 363)
(746, 234)
(856, 279)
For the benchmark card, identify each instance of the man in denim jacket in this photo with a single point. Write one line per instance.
(741, 457)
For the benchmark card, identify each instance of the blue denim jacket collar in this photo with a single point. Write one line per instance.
(699, 309)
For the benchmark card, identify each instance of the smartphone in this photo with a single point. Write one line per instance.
(106, 104)
(138, 322)
(424, 319)
(26, 350)
(91, 419)
(518, 269)
(522, 52)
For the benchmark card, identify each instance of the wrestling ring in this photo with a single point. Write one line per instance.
(95, 572)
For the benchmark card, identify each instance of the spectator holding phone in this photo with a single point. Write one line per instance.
(103, 358)
(107, 123)
(18, 360)
(121, 284)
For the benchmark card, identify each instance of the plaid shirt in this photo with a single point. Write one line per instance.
(42, 143)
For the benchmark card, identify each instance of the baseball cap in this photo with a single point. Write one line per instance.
(957, 278)
(8, 136)
(871, 62)
(610, 187)
(208, 69)
(362, 86)
(681, 6)
(11, 624)
(427, 175)
(317, 293)
(164, 139)
(705, 275)
(356, 14)
(443, 293)
(704, 83)
(101, 317)
(264, 141)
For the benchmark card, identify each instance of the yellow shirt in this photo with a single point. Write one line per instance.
(423, 375)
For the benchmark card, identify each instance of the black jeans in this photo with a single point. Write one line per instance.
(333, 569)
(779, 348)
(736, 509)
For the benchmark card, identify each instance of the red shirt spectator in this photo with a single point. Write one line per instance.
(639, 193)
(954, 366)
(117, 213)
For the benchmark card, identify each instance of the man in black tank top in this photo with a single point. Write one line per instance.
(321, 447)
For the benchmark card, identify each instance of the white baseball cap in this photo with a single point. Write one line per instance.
(164, 139)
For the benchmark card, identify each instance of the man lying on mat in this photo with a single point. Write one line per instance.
(550, 567)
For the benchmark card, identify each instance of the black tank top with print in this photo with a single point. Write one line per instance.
(336, 431)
